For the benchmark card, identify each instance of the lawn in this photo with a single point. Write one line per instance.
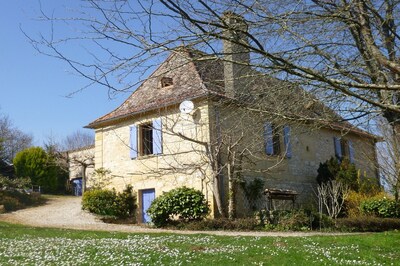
(20, 245)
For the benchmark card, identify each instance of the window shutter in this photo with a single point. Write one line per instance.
(157, 136)
(338, 148)
(268, 139)
(133, 142)
(286, 141)
(351, 151)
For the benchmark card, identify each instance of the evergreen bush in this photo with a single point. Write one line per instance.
(107, 202)
(344, 172)
(184, 203)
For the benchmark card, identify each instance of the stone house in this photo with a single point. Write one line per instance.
(80, 167)
(198, 119)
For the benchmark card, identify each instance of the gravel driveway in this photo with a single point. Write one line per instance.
(65, 212)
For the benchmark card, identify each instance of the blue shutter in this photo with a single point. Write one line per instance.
(286, 141)
(351, 151)
(157, 136)
(268, 139)
(133, 147)
(338, 148)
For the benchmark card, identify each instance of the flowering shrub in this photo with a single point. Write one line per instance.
(187, 204)
(110, 203)
(353, 202)
(15, 183)
(385, 208)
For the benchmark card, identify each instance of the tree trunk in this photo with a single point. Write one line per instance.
(217, 195)
(231, 194)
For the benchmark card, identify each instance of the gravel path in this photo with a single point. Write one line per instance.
(65, 212)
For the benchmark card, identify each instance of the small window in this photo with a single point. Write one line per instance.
(146, 139)
(273, 136)
(166, 82)
(276, 139)
(343, 149)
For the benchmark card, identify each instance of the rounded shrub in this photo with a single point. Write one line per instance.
(385, 208)
(99, 201)
(184, 203)
(110, 203)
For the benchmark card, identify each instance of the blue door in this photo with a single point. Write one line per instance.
(148, 196)
(77, 186)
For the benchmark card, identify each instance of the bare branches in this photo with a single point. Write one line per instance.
(337, 50)
(12, 140)
(332, 195)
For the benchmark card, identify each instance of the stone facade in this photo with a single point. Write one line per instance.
(183, 162)
(76, 160)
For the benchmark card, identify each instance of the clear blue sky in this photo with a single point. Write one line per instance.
(33, 86)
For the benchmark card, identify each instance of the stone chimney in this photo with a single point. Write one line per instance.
(236, 56)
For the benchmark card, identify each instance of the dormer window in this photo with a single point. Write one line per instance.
(166, 82)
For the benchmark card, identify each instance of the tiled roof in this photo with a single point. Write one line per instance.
(192, 79)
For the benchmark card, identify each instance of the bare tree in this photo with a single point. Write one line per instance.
(346, 52)
(77, 140)
(12, 140)
(343, 53)
(331, 197)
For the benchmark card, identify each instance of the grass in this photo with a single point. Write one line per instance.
(20, 245)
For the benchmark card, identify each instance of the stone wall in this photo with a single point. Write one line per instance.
(77, 157)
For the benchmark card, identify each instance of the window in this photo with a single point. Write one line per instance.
(273, 135)
(166, 82)
(343, 149)
(146, 139)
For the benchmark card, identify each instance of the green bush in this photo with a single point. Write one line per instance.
(385, 208)
(126, 201)
(42, 169)
(184, 203)
(99, 201)
(370, 186)
(328, 170)
(345, 172)
(110, 203)
(352, 204)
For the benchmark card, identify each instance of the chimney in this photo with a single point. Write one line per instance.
(236, 55)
